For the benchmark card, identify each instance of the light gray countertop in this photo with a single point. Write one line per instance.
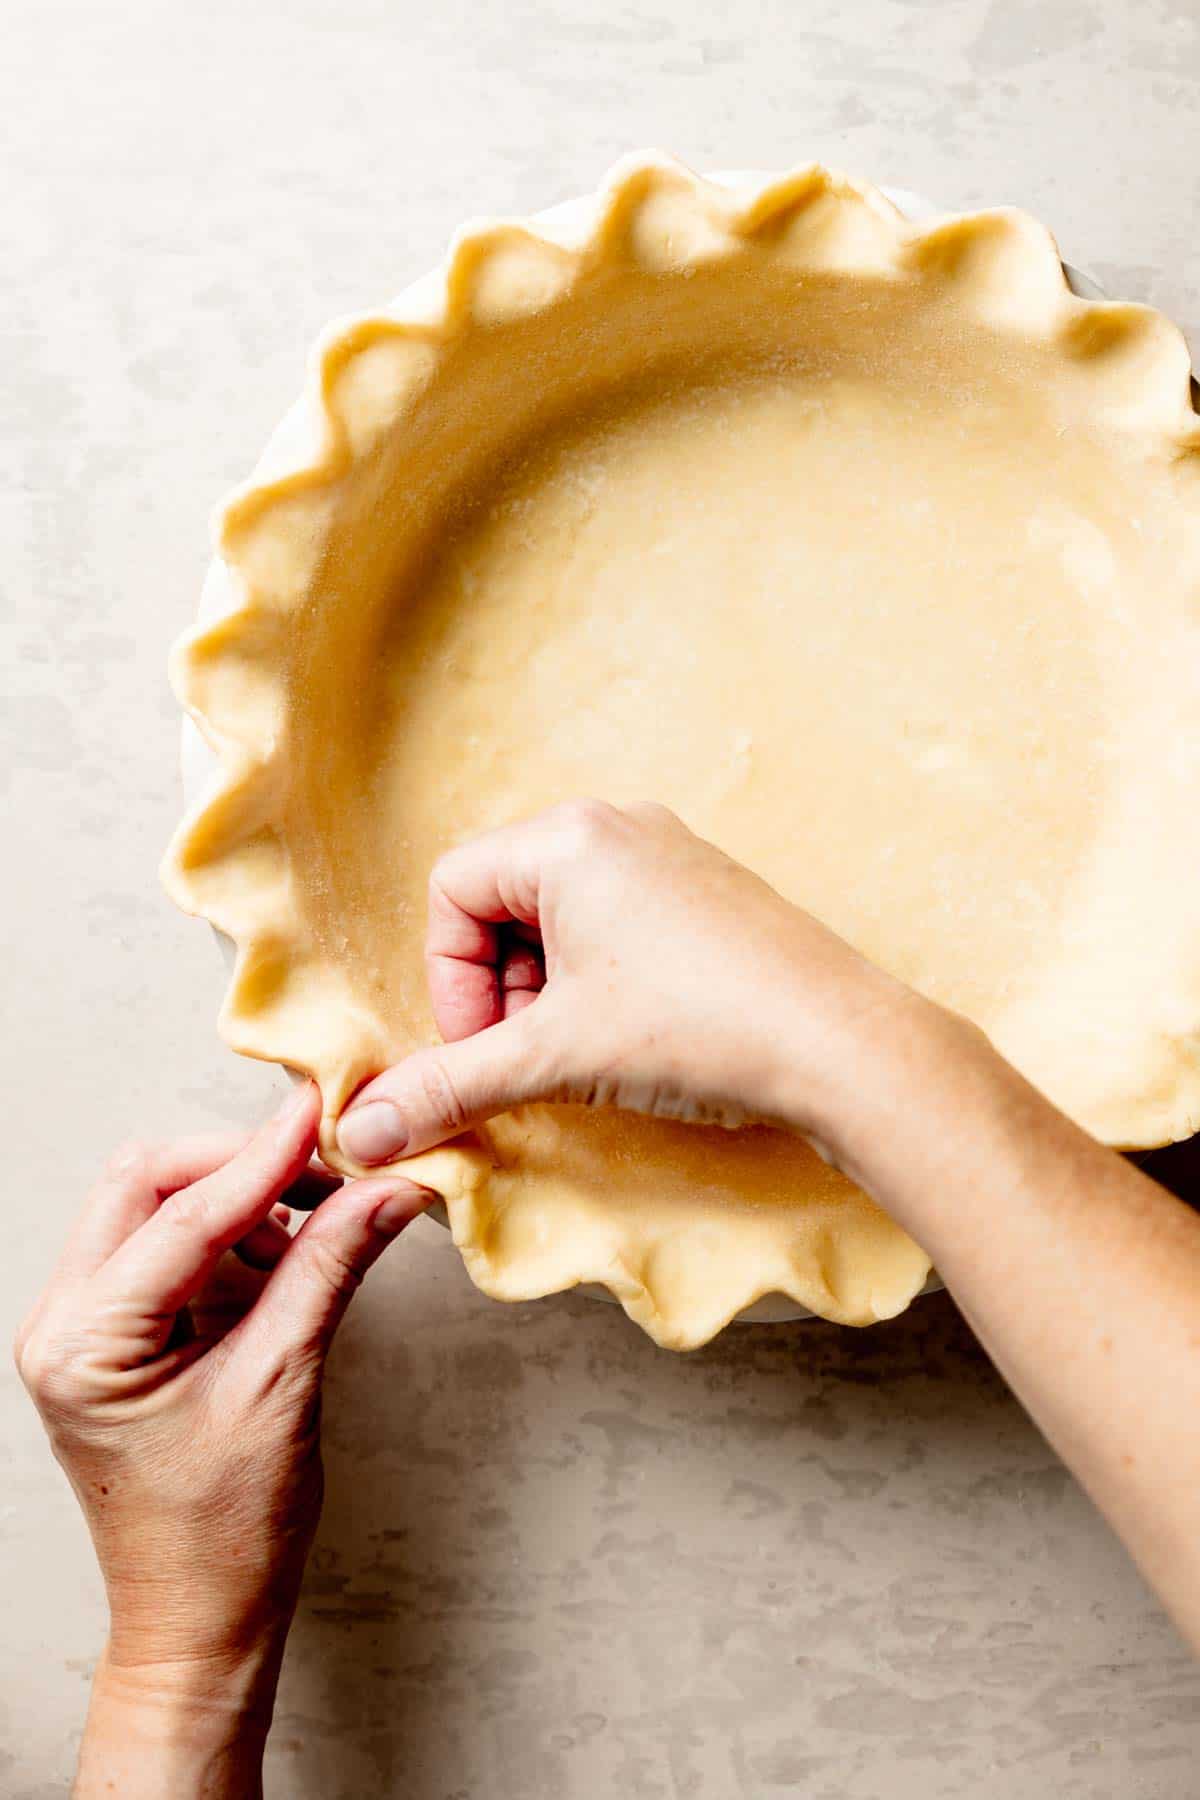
(555, 1561)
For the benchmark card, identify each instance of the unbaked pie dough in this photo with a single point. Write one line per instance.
(870, 549)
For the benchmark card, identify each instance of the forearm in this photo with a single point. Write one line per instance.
(153, 1731)
(1080, 1275)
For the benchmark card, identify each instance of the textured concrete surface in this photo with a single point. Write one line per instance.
(555, 1561)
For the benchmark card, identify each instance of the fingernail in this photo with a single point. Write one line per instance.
(372, 1133)
(397, 1211)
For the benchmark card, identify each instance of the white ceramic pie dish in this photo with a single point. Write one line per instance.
(569, 220)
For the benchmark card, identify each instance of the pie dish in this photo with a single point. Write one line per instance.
(868, 546)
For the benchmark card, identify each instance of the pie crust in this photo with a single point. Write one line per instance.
(870, 548)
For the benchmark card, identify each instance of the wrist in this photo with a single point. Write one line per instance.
(192, 1728)
(161, 1635)
(235, 1686)
(872, 1050)
(195, 1685)
(909, 1100)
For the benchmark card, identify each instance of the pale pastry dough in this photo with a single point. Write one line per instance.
(871, 550)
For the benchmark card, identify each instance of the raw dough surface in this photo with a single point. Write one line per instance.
(874, 553)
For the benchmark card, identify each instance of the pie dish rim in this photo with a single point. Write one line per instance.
(219, 596)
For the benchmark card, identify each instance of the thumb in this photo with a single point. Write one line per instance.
(437, 1093)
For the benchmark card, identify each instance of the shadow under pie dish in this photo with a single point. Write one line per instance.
(867, 546)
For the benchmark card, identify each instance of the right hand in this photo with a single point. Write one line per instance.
(597, 954)
(606, 955)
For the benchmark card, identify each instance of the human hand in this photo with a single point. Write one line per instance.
(597, 954)
(180, 1388)
(607, 955)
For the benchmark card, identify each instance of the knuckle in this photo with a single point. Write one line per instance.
(132, 1160)
(584, 823)
(331, 1270)
(653, 812)
(33, 1370)
(439, 877)
(193, 1213)
(44, 1363)
(20, 1339)
(440, 1094)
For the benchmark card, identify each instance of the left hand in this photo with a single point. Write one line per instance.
(181, 1392)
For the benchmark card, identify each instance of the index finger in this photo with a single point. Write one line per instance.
(475, 888)
(136, 1181)
(168, 1257)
